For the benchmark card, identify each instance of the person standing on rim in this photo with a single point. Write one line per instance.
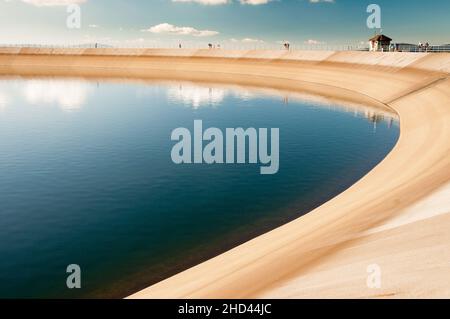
(287, 45)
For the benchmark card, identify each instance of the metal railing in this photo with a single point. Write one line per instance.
(431, 49)
(238, 46)
(416, 48)
(227, 46)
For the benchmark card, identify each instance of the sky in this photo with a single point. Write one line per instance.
(232, 23)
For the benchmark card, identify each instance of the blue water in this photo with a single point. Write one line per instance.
(86, 178)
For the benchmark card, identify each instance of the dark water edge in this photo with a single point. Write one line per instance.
(290, 213)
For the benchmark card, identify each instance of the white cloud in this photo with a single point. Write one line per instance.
(250, 40)
(175, 30)
(51, 3)
(205, 2)
(68, 95)
(312, 41)
(221, 2)
(4, 100)
(318, 1)
(247, 40)
(196, 96)
(254, 2)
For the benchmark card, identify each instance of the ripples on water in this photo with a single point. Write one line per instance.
(86, 177)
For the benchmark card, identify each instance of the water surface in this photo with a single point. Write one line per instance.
(86, 178)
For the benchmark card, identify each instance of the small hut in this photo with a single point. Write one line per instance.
(380, 42)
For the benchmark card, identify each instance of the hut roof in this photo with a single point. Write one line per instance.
(381, 37)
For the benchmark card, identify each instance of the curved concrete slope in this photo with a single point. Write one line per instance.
(396, 217)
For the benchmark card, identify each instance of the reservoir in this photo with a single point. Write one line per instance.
(86, 177)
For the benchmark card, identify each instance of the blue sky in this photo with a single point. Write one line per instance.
(233, 22)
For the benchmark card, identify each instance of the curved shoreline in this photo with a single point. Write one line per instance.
(326, 252)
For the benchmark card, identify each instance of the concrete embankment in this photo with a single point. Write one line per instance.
(397, 217)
